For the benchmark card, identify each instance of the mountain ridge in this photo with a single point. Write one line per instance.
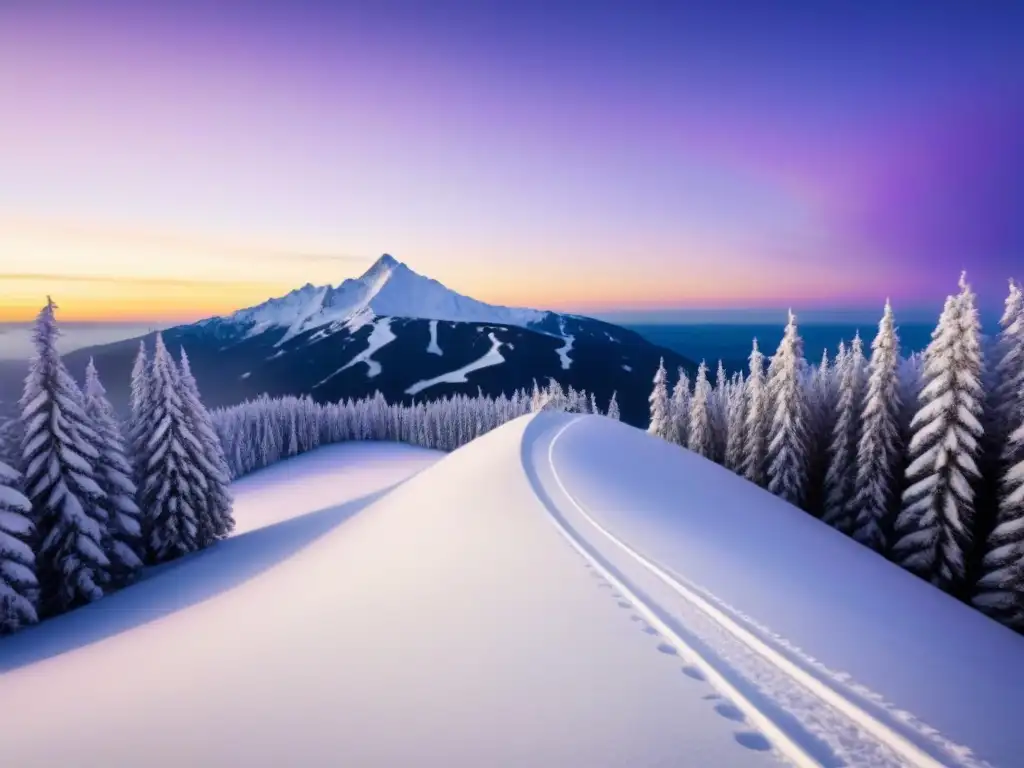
(389, 288)
(405, 335)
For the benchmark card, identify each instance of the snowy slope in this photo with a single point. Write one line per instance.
(445, 624)
(387, 289)
(876, 666)
(289, 312)
(563, 591)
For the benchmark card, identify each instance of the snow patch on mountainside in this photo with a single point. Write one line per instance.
(380, 336)
(432, 347)
(493, 357)
(566, 348)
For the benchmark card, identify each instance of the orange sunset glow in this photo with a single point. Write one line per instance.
(116, 274)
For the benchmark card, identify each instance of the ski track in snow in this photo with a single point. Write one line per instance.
(380, 336)
(841, 680)
(696, 668)
(432, 347)
(806, 717)
(493, 357)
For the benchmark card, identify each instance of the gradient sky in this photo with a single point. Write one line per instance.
(170, 160)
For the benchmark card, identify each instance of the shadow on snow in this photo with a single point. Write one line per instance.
(166, 589)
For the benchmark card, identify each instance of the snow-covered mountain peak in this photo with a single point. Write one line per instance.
(384, 263)
(388, 288)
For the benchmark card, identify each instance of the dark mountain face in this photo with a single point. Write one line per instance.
(231, 367)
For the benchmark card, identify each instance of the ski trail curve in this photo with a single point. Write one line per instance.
(866, 725)
(789, 749)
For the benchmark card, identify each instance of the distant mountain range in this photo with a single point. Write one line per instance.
(404, 334)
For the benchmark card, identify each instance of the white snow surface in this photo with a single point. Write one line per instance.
(380, 336)
(565, 590)
(493, 357)
(290, 312)
(566, 348)
(432, 347)
(389, 288)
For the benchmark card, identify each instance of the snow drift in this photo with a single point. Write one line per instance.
(562, 591)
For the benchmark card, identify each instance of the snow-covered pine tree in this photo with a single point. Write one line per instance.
(933, 529)
(141, 413)
(1000, 585)
(660, 410)
(207, 456)
(826, 390)
(536, 398)
(60, 478)
(613, 407)
(1000, 589)
(1008, 370)
(593, 405)
(19, 588)
(735, 423)
(700, 438)
(787, 449)
(113, 474)
(554, 398)
(718, 412)
(679, 409)
(758, 414)
(170, 497)
(876, 491)
(841, 478)
(822, 394)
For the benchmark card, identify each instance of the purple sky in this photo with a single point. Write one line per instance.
(588, 155)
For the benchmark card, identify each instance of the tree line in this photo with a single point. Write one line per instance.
(85, 502)
(919, 457)
(265, 430)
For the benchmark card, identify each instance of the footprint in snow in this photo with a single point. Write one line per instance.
(730, 712)
(650, 630)
(625, 604)
(695, 673)
(634, 617)
(754, 741)
(668, 649)
(711, 697)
